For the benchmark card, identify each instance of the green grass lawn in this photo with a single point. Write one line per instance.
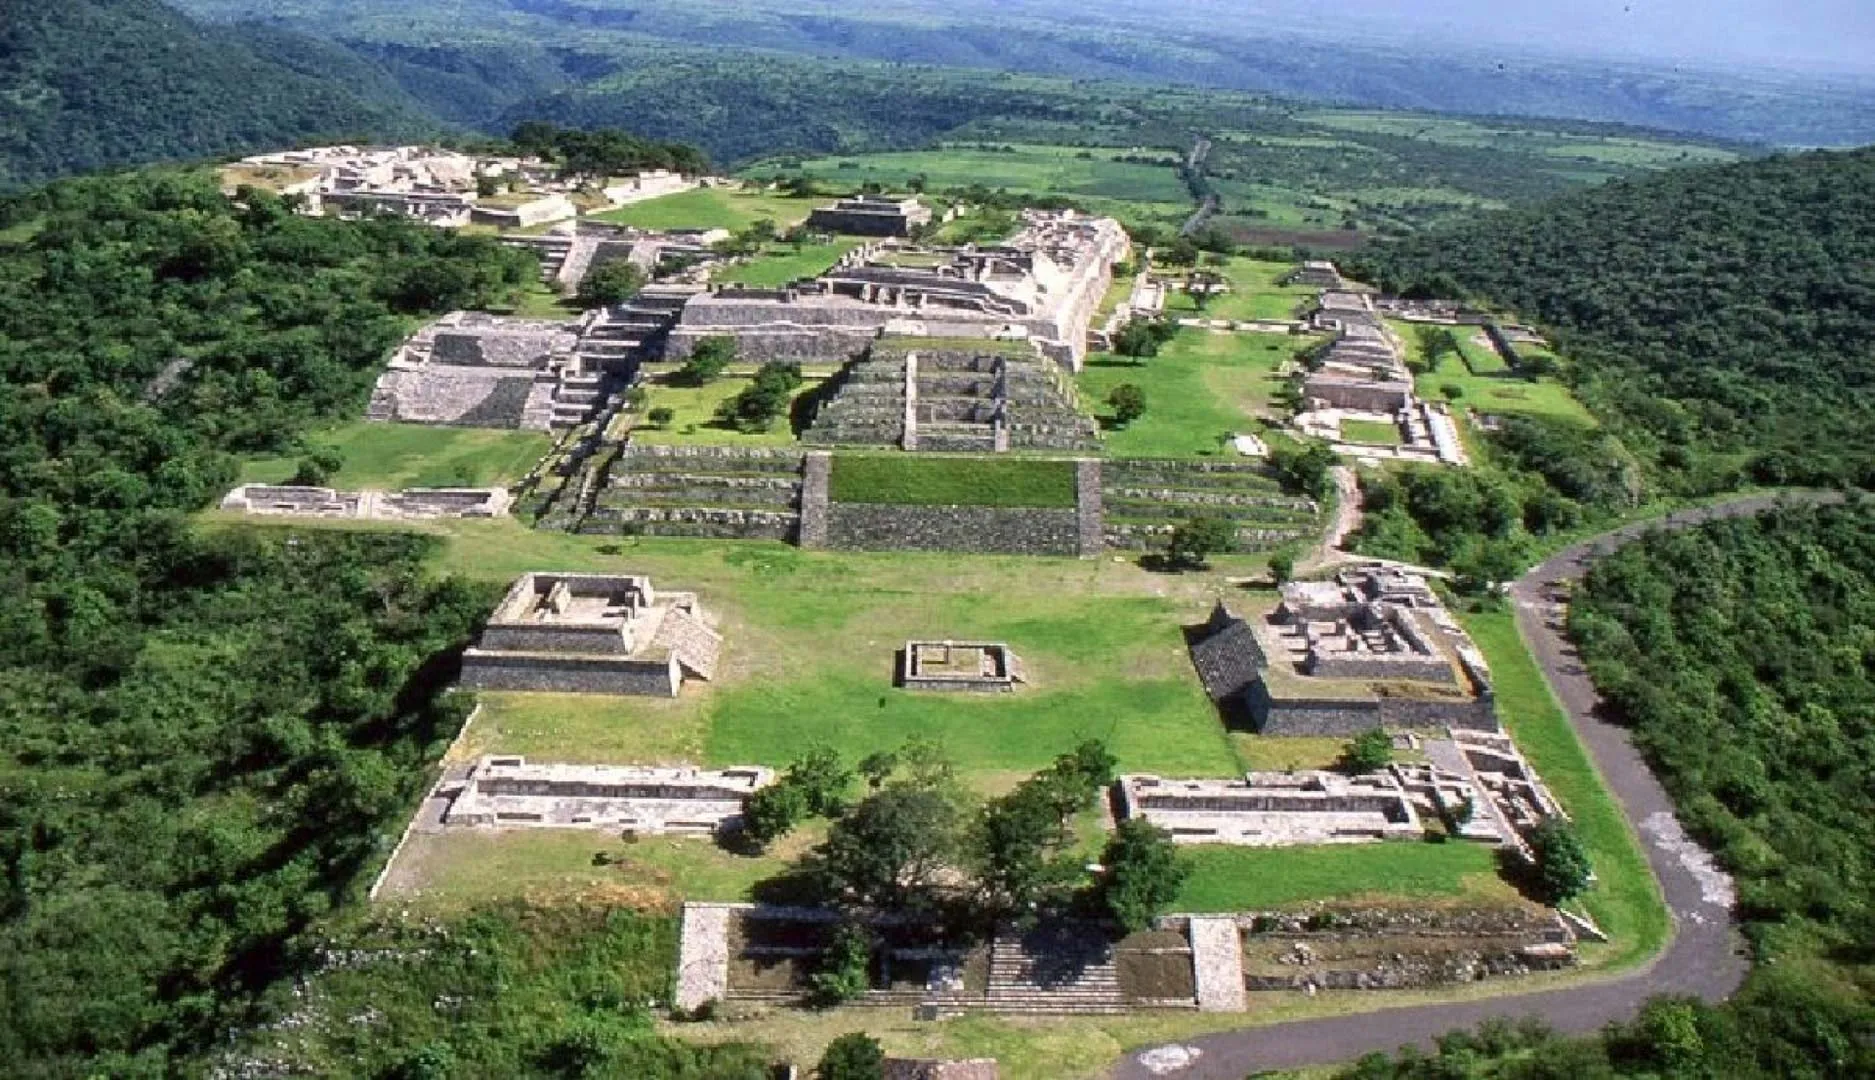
(1228, 878)
(1625, 900)
(1257, 292)
(1505, 392)
(1478, 353)
(695, 423)
(1370, 432)
(1202, 386)
(900, 480)
(712, 208)
(780, 264)
(462, 869)
(395, 456)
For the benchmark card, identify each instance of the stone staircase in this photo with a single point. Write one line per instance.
(617, 339)
(1053, 972)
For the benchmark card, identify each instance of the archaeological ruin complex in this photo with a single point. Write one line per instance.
(507, 791)
(285, 500)
(592, 634)
(871, 215)
(1372, 648)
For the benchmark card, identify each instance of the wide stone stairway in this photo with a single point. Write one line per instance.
(1053, 970)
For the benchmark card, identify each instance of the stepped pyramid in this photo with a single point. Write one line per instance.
(959, 396)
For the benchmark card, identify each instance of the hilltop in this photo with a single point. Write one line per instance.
(1718, 318)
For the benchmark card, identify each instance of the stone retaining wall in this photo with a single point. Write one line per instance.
(570, 674)
(816, 477)
(967, 529)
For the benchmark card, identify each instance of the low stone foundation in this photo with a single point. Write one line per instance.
(967, 529)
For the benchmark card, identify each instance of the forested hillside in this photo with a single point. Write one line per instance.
(1719, 319)
(1740, 653)
(204, 738)
(86, 84)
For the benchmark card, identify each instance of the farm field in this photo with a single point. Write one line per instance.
(1201, 388)
(411, 455)
(1050, 170)
(711, 208)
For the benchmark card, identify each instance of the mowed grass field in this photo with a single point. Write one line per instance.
(1504, 392)
(712, 208)
(1201, 387)
(1228, 878)
(695, 423)
(1257, 293)
(781, 264)
(395, 456)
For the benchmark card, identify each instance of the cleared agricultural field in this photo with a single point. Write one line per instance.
(1050, 170)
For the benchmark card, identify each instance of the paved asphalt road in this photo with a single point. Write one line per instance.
(1704, 957)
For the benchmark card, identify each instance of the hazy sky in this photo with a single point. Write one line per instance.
(1837, 34)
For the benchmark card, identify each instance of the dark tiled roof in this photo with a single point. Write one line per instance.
(1227, 656)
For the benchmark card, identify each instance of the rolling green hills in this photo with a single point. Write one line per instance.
(1718, 319)
(88, 84)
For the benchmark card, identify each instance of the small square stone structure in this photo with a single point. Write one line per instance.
(1275, 809)
(871, 215)
(592, 634)
(960, 666)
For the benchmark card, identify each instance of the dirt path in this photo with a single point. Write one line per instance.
(1703, 958)
(1328, 553)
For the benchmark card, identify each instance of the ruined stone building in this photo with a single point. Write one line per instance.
(960, 667)
(871, 215)
(954, 395)
(511, 792)
(1373, 648)
(1272, 809)
(592, 634)
(1043, 286)
(571, 250)
(1318, 274)
(473, 370)
(409, 504)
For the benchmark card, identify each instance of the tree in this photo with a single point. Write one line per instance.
(1129, 403)
(662, 416)
(1142, 873)
(708, 359)
(888, 851)
(1282, 566)
(846, 967)
(1197, 540)
(1370, 751)
(1142, 338)
(768, 397)
(1303, 468)
(772, 813)
(318, 467)
(823, 780)
(877, 767)
(1561, 870)
(611, 282)
(855, 1056)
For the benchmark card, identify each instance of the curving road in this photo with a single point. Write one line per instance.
(1703, 958)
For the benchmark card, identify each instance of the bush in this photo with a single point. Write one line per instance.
(610, 283)
(846, 967)
(856, 1056)
(662, 415)
(1197, 540)
(709, 358)
(1143, 873)
(1129, 403)
(1562, 868)
(1370, 751)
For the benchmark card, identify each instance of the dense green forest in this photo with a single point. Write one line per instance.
(205, 737)
(1718, 319)
(88, 84)
(1742, 655)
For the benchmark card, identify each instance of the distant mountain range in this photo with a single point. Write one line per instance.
(1288, 48)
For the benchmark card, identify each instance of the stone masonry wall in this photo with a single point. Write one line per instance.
(570, 675)
(1478, 715)
(816, 475)
(1090, 519)
(968, 529)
